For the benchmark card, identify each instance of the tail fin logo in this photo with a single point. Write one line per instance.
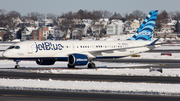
(145, 31)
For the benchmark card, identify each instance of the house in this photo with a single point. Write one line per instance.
(115, 28)
(26, 33)
(135, 25)
(169, 27)
(28, 23)
(3, 31)
(59, 21)
(58, 34)
(79, 31)
(16, 21)
(40, 34)
(127, 27)
(46, 22)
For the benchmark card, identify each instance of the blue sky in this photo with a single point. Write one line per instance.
(59, 6)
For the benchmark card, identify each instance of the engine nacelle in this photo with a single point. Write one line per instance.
(45, 62)
(77, 59)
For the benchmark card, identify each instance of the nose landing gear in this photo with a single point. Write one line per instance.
(17, 65)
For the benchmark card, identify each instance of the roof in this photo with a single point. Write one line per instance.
(31, 28)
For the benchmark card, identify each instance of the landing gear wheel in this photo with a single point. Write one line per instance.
(91, 65)
(71, 66)
(17, 66)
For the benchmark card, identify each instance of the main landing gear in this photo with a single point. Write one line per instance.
(17, 65)
(91, 64)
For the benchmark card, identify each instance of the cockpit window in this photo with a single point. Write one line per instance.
(12, 47)
(17, 47)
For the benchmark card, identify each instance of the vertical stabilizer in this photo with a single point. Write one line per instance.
(145, 31)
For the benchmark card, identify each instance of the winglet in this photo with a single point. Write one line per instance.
(153, 43)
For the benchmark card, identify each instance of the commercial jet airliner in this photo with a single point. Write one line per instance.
(79, 53)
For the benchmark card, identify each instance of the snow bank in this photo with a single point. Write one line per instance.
(122, 72)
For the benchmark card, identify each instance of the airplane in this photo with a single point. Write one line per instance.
(79, 53)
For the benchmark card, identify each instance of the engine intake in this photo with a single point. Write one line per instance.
(77, 59)
(45, 62)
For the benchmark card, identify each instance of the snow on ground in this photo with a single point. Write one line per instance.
(59, 68)
(150, 55)
(122, 72)
(32, 64)
(168, 47)
(92, 87)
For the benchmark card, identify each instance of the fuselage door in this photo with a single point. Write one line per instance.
(131, 44)
(73, 47)
(30, 47)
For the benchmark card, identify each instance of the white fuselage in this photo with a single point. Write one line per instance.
(62, 49)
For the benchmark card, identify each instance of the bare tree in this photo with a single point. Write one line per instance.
(116, 16)
(106, 14)
(175, 15)
(51, 16)
(129, 16)
(13, 14)
(138, 14)
(66, 25)
(10, 16)
(36, 16)
(3, 20)
(161, 18)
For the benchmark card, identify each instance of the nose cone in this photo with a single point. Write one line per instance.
(6, 54)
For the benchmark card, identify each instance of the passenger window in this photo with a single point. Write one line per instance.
(17, 47)
(11, 47)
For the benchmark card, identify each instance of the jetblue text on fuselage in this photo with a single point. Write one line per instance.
(48, 46)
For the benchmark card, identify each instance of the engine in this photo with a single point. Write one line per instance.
(77, 59)
(45, 62)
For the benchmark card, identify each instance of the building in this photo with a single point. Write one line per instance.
(40, 34)
(79, 31)
(135, 25)
(3, 31)
(169, 27)
(46, 22)
(26, 33)
(115, 28)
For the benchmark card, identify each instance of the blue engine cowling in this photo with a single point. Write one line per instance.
(77, 59)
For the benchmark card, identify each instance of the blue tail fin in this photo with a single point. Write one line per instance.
(145, 31)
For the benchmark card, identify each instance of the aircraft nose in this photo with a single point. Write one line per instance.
(6, 54)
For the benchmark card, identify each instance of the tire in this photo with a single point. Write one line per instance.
(91, 65)
(69, 66)
(17, 66)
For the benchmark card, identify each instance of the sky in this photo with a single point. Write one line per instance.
(63, 6)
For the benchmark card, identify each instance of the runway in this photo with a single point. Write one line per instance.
(20, 95)
(80, 77)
